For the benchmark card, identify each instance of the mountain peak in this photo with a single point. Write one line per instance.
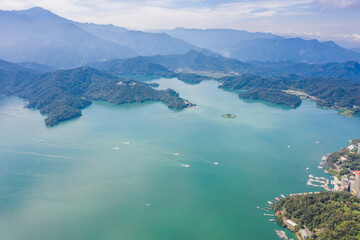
(42, 14)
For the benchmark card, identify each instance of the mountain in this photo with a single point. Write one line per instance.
(347, 70)
(62, 94)
(143, 43)
(132, 66)
(37, 66)
(8, 66)
(219, 40)
(247, 46)
(356, 50)
(37, 35)
(200, 61)
(292, 49)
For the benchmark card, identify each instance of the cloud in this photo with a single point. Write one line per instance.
(338, 4)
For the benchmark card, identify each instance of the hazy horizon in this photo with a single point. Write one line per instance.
(337, 20)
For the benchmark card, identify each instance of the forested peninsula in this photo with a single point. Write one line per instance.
(272, 95)
(62, 94)
(330, 93)
(327, 215)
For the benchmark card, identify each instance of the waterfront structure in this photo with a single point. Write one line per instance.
(290, 224)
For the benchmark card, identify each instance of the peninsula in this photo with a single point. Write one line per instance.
(323, 216)
(62, 94)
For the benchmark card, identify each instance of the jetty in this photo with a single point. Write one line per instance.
(281, 234)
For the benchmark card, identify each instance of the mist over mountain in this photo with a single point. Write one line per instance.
(292, 49)
(37, 35)
(219, 40)
(143, 43)
(247, 46)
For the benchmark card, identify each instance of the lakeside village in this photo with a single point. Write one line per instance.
(345, 168)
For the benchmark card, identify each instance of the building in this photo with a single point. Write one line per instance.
(342, 158)
(304, 234)
(352, 147)
(290, 224)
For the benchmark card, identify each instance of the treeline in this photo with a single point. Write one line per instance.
(272, 95)
(329, 215)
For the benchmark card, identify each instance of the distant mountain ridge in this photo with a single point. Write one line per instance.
(198, 61)
(266, 47)
(143, 43)
(38, 35)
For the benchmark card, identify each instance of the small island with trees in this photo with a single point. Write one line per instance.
(228, 115)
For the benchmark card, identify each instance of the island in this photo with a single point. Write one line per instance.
(62, 94)
(228, 115)
(321, 216)
(272, 95)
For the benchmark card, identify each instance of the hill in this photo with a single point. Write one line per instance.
(204, 61)
(133, 66)
(340, 94)
(200, 61)
(328, 215)
(62, 94)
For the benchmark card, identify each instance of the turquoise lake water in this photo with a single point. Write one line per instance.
(67, 182)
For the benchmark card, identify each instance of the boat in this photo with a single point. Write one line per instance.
(277, 199)
(272, 220)
(270, 202)
(317, 142)
(116, 148)
(289, 146)
(282, 196)
(307, 169)
(216, 163)
(176, 154)
(185, 165)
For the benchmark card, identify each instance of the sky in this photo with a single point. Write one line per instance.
(337, 20)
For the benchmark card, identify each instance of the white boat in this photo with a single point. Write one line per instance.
(126, 143)
(307, 169)
(216, 163)
(270, 202)
(176, 154)
(185, 165)
(116, 148)
(282, 196)
(289, 146)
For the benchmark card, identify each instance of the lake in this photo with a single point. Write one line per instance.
(142, 171)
